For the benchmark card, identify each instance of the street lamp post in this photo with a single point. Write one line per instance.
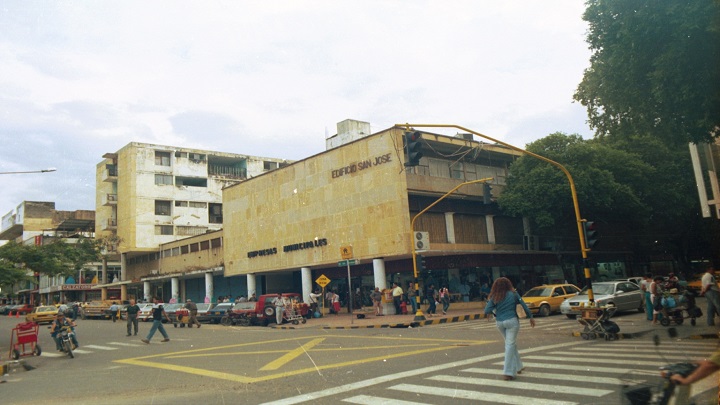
(583, 248)
(52, 169)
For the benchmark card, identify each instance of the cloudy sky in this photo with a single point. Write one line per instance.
(269, 78)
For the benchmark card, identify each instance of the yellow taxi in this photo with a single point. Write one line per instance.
(42, 314)
(694, 283)
(546, 299)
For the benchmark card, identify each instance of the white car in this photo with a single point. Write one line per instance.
(623, 295)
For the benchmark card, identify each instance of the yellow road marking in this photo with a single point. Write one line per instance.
(276, 364)
(437, 345)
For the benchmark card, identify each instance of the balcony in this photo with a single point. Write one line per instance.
(110, 225)
(110, 174)
(109, 199)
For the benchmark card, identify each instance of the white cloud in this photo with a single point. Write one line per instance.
(78, 79)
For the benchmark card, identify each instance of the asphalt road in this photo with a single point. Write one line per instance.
(454, 363)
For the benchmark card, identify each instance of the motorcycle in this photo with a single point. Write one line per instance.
(66, 336)
(668, 392)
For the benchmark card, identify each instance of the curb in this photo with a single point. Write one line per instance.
(413, 324)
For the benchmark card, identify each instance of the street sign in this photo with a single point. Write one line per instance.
(346, 252)
(348, 262)
(322, 281)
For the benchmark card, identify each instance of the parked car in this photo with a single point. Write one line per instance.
(636, 280)
(262, 312)
(145, 313)
(217, 312)
(22, 309)
(183, 314)
(546, 299)
(623, 295)
(42, 314)
(170, 311)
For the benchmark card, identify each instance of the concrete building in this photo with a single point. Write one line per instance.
(39, 223)
(150, 195)
(286, 228)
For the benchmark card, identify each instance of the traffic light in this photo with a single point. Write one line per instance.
(590, 234)
(413, 147)
(487, 193)
(420, 262)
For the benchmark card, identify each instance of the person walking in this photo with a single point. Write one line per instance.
(431, 296)
(158, 313)
(132, 317)
(712, 294)
(445, 299)
(502, 302)
(279, 303)
(645, 286)
(192, 313)
(114, 311)
(412, 297)
(376, 297)
(656, 297)
(397, 293)
(336, 303)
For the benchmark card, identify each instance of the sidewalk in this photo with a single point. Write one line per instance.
(632, 325)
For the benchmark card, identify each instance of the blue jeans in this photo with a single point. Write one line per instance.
(157, 325)
(431, 308)
(713, 306)
(509, 329)
(413, 303)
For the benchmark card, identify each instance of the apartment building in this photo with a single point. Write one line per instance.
(148, 195)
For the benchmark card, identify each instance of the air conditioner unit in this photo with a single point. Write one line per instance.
(153, 272)
(422, 241)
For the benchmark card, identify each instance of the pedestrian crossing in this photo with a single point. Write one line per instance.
(585, 373)
(560, 325)
(89, 349)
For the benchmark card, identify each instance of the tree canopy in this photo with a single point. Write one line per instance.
(57, 258)
(654, 69)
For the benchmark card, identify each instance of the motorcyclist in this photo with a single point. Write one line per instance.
(57, 326)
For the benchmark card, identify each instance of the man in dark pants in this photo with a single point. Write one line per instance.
(397, 293)
(132, 316)
(192, 312)
(712, 293)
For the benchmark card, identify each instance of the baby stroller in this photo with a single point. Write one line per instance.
(597, 323)
(678, 307)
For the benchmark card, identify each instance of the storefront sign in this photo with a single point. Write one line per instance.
(361, 165)
(318, 242)
(69, 287)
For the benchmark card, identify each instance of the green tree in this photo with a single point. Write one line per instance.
(610, 185)
(654, 69)
(54, 259)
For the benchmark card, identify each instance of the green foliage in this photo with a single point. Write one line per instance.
(608, 181)
(53, 259)
(654, 69)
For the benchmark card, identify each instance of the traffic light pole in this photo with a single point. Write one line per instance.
(419, 314)
(583, 248)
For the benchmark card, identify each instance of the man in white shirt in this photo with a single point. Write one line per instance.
(397, 293)
(712, 294)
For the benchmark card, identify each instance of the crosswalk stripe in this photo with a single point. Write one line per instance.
(82, 351)
(476, 395)
(633, 355)
(562, 389)
(586, 369)
(125, 344)
(586, 359)
(101, 347)
(561, 377)
(56, 354)
(368, 400)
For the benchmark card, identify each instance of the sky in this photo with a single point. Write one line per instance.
(79, 79)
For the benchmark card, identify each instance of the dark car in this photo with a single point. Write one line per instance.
(217, 312)
(22, 309)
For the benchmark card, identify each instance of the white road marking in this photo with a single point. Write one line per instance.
(478, 395)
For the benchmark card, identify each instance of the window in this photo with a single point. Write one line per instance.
(181, 155)
(197, 204)
(191, 181)
(205, 245)
(163, 179)
(163, 207)
(216, 243)
(215, 214)
(163, 230)
(191, 230)
(181, 203)
(162, 158)
(269, 165)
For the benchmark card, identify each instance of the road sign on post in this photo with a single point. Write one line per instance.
(322, 281)
(350, 262)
